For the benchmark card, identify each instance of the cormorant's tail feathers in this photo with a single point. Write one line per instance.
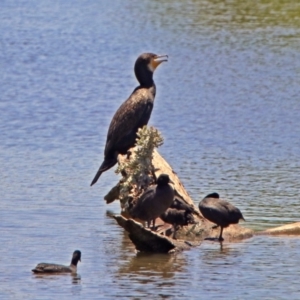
(107, 164)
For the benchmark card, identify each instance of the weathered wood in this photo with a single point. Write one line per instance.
(146, 240)
(113, 194)
(160, 166)
(288, 229)
(205, 229)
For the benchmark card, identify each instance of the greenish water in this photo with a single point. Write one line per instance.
(227, 105)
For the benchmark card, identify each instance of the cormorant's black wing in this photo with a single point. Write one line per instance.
(134, 113)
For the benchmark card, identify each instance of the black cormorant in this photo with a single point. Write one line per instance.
(154, 201)
(55, 268)
(133, 114)
(219, 211)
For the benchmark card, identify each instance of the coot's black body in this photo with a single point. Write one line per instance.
(48, 268)
(219, 211)
(154, 201)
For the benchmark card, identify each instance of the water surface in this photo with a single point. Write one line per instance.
(227, 105)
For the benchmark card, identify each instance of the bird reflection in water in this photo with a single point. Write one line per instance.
(75, 278)
(210, 254)
(76, 285)
(152, 265)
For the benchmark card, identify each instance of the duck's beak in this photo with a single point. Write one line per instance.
(157, 60)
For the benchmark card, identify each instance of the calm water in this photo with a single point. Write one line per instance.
(227, 104)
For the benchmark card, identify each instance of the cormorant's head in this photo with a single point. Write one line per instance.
(76, 257)
(145, 65)
(163, 179)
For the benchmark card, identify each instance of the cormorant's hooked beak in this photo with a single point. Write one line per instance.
(157, 60)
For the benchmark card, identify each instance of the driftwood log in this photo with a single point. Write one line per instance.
(288, 229)
(146, 240)
(189, 236)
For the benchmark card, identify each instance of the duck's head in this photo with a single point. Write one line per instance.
(76, 257)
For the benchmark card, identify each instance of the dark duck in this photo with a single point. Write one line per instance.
(48, 268)
(220, 212)
(133, 114)
(177, 218)
(154, 201)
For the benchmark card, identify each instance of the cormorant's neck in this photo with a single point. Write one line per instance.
(144, 77)
(74, 261)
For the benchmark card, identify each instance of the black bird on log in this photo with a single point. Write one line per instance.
(154, 201)
(177, 218)
(133, 114)
(181, 205)
(219, 211)
(46, 268)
